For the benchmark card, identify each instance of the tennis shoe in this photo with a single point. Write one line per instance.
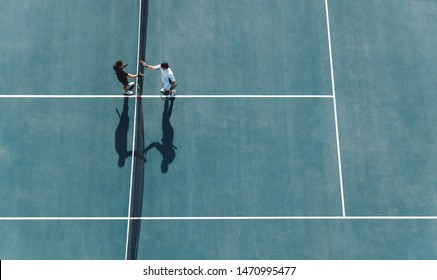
(128, 92)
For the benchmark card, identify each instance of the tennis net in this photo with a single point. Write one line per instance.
(137, 178)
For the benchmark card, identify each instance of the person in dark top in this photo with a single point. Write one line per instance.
(122, 77)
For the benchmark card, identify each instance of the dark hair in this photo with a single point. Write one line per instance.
(164, 65)
(118, 63)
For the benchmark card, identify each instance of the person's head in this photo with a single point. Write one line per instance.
(164, 65)
(119, 64)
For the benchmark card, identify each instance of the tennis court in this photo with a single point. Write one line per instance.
(301, 129)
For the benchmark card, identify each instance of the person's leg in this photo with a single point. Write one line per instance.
(126, 90)
(131, 85)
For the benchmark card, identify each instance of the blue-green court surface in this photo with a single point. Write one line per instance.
(301, 129)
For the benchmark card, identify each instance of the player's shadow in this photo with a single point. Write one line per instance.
(166, 148)
(121, 134)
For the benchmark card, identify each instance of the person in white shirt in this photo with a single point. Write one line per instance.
(168, 79)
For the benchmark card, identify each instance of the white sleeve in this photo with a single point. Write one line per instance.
(171, 77)
(157, 67)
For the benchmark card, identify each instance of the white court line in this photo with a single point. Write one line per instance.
(296, 218)
(245, 96)
(64, 218)
(335, 110)
(5, 96)
(158, 96)
(236, 218)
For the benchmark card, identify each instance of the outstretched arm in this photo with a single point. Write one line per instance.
(147, 66)
(135, 76)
